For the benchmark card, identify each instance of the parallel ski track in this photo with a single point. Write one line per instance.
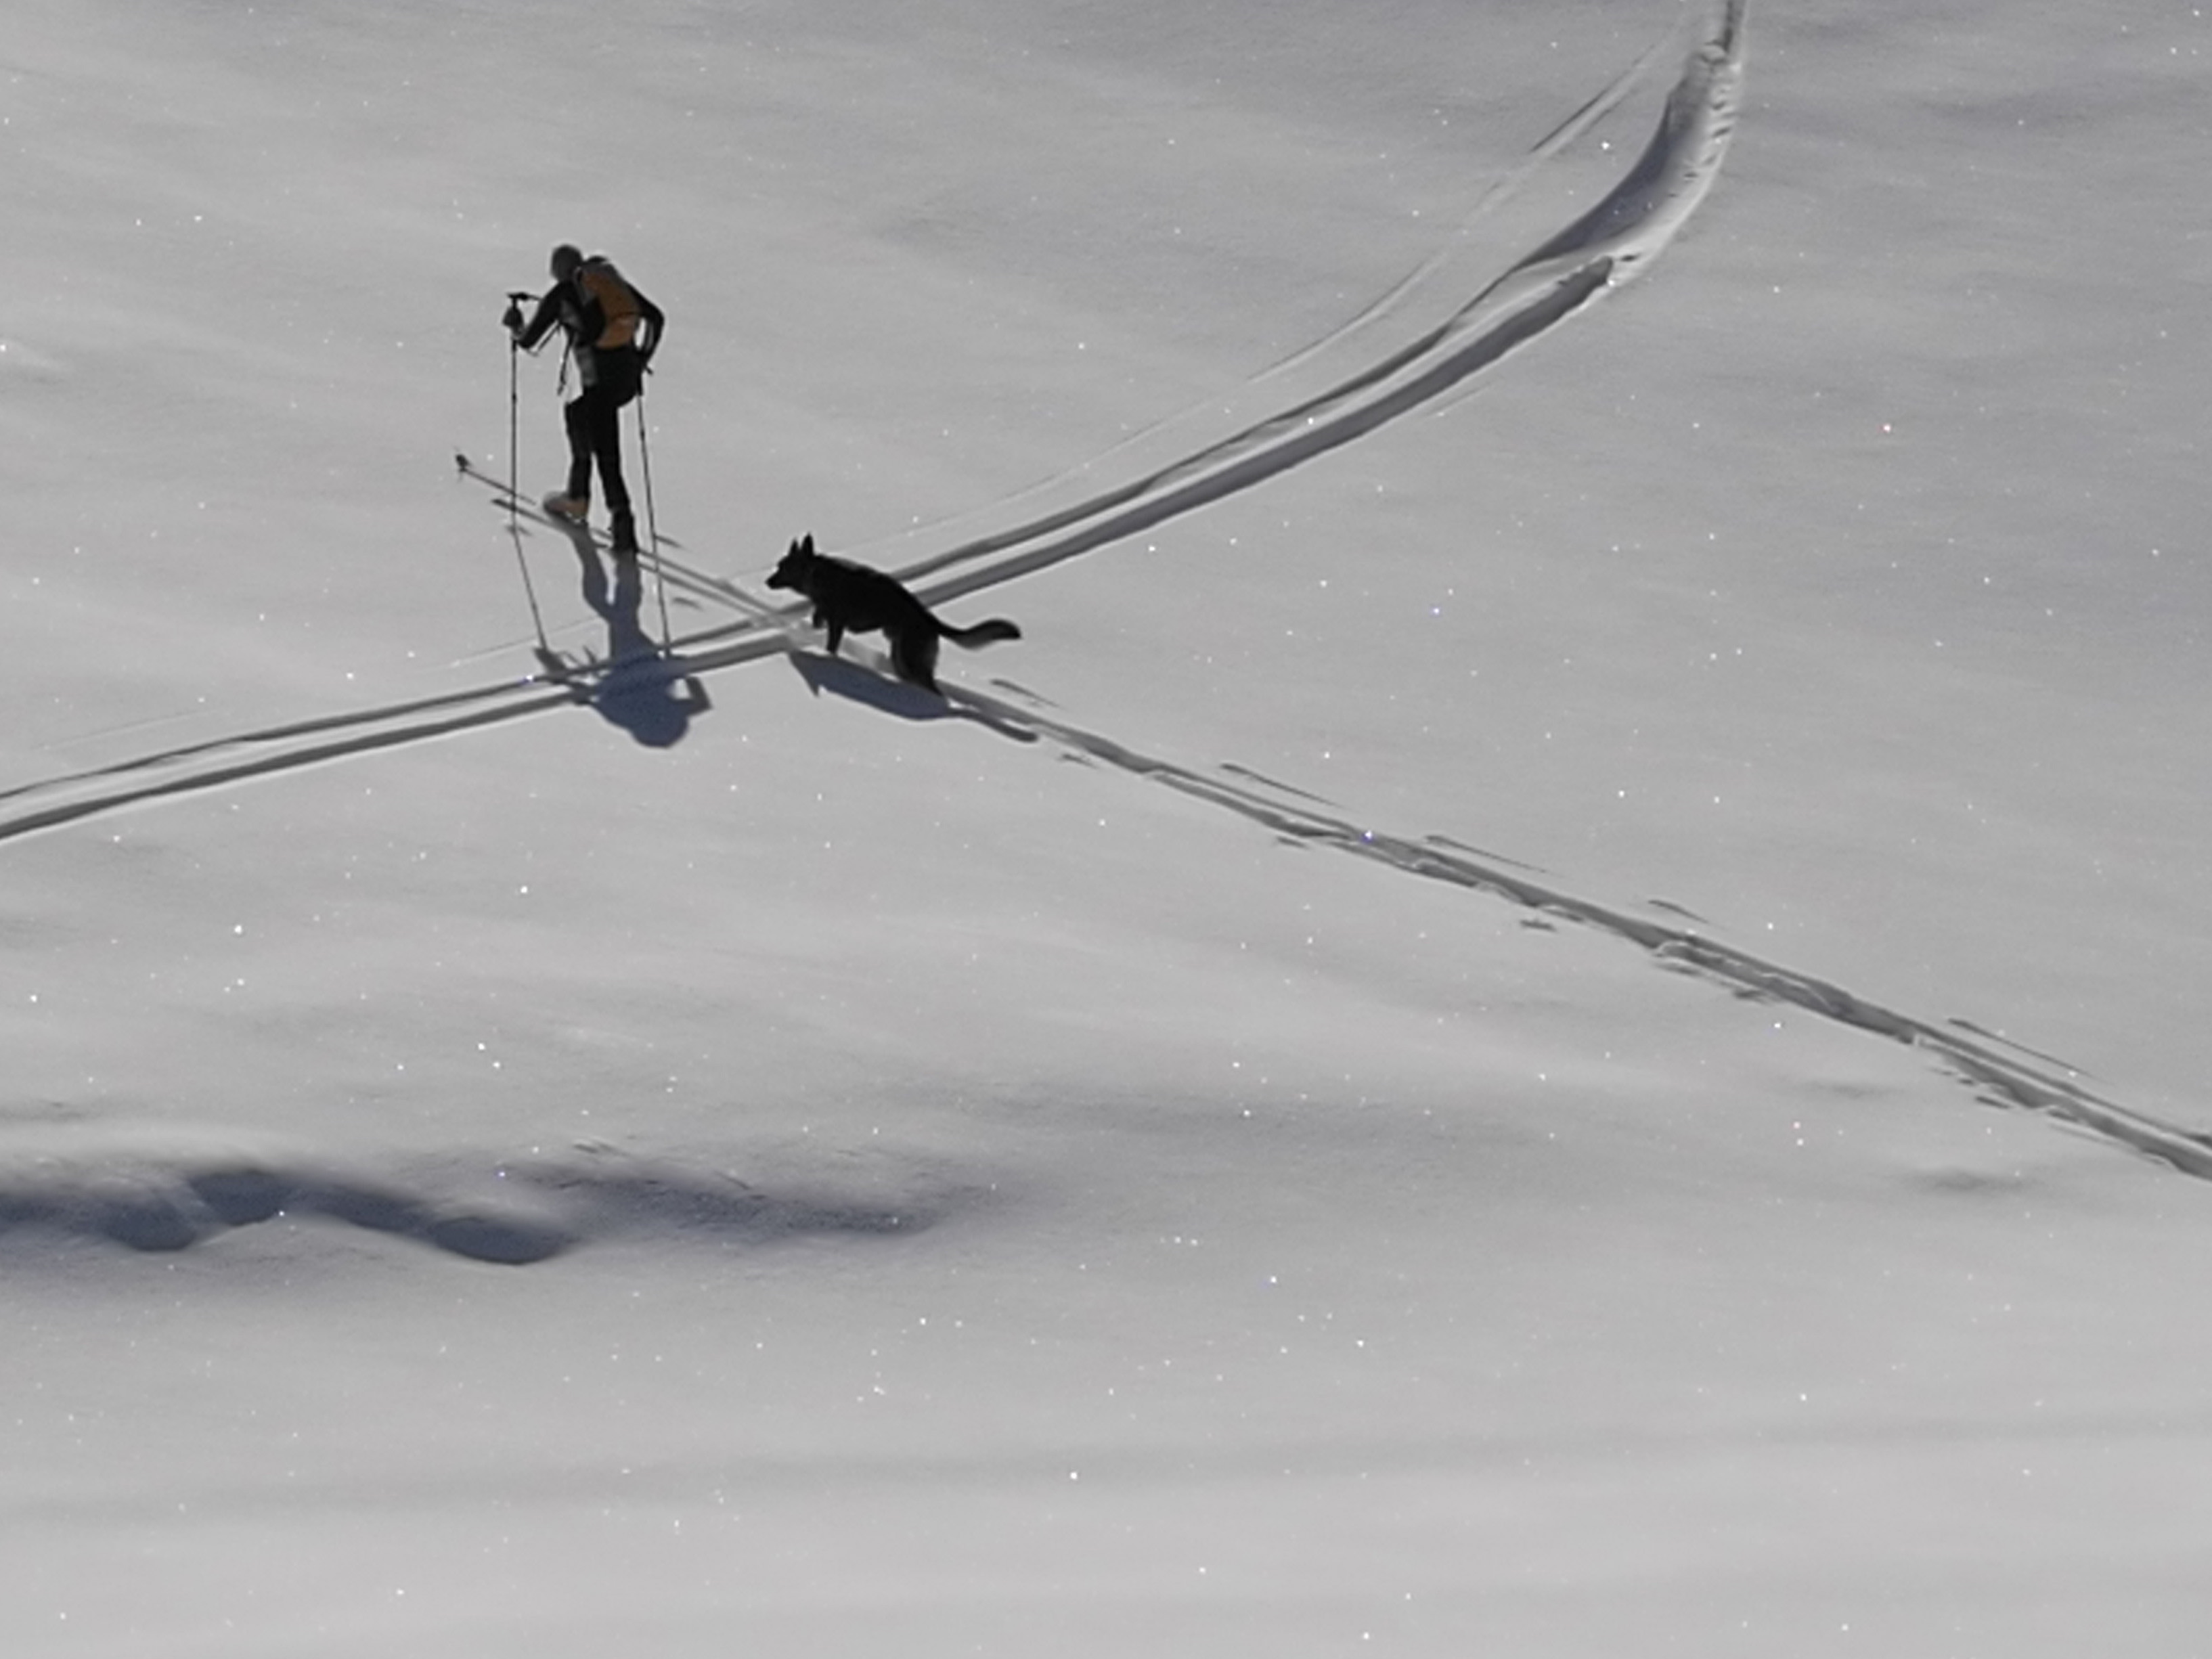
(1596, 254)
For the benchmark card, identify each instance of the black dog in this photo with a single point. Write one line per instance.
(849, 596)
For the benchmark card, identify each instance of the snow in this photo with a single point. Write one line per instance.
(1570, 1025)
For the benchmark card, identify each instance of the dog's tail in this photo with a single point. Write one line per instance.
(982, 634)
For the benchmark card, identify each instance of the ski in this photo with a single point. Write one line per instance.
(541, 510)
(699, 584)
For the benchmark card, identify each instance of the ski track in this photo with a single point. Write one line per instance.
(1604, 249)
(1158, 431)
(1598, 252)
(2002, 1071)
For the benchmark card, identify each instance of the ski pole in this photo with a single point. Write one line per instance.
(513, 467)
(513, 432)
(651, 524)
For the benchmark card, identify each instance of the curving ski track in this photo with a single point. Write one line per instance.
(1609, 246)
(1596, 254)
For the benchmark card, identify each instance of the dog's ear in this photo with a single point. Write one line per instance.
(806, 544)
(794, 551)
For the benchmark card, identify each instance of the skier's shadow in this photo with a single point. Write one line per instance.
(639, 690)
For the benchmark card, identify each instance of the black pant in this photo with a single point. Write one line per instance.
(594, 422)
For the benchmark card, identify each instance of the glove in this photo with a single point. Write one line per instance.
(514, 318)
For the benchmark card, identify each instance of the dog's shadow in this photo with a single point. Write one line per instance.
(886, 695)
(639, 691)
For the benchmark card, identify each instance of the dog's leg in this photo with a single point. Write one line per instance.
(913, 653)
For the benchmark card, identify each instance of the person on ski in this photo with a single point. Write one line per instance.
(613, 331)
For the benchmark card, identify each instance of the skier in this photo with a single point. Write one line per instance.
(613, 331)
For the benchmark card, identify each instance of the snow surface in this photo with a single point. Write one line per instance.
(1553, 1008)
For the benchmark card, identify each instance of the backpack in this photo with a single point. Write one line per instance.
(602, 285)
